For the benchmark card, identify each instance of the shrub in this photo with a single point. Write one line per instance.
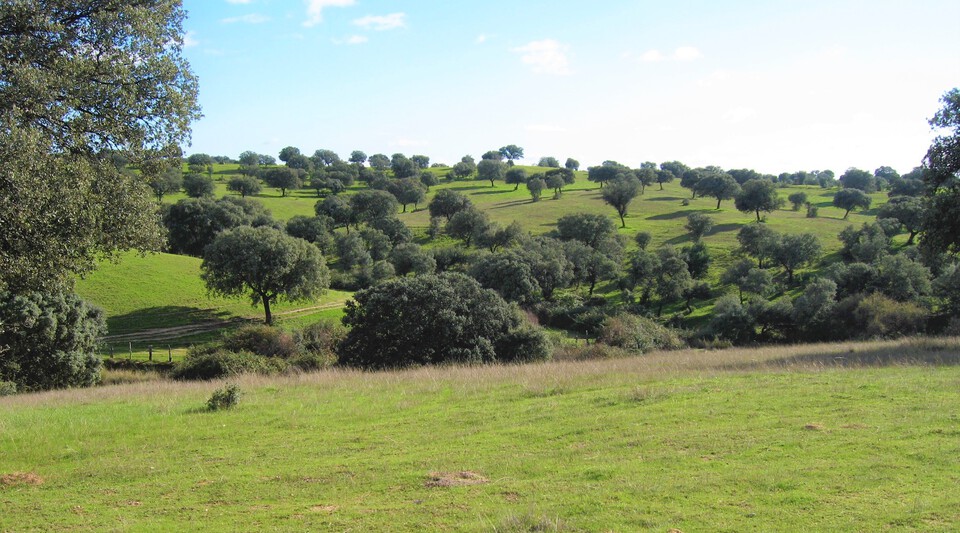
(523, 344)
(638, 333)
(880, 316)
(50, 341)
(7, 388)
(320, 337)
(812, 211)
(225, 397)
(262, 340)
(214, 363)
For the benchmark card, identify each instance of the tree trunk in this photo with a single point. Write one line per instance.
(623, 224)
(758, 216)
(593, 283)
(845, 214)
(718, 203)
(661, 185)
(913, 234)
(266, 310)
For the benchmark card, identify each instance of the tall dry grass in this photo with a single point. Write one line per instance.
(551, 375)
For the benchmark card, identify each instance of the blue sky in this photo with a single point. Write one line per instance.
(770, 85)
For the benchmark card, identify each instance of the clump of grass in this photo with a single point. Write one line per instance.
(225, 397)
(531, 522)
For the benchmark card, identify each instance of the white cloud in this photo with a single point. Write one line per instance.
(315, 9)
(684, 53)
(546, 57)
(382, 22)
(482, 38)
(189, 39)
(353, 39)
(252, 18)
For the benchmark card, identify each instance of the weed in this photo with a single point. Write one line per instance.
(225, 397)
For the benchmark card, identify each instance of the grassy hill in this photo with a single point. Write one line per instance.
(815, 438)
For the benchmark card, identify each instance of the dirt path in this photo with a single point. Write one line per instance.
(176, 332)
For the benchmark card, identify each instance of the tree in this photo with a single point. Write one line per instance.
(50, 340)
(457, 320)
(797, 199)
(759, 241)
(743, 175)
(428, 179)
(467, 224)
(674, 167)
(245, 185)
(493, 155)
(403, 167)
(558, 178)
(548, 264)
(410, 258)
(199, 162)
(571, 164)
(80, 79)
(370, 205)
(265, 264)
(536, 185)
(906, 210)
(854, 178)
(490, 169)
(902, 279)
(941, 226)
(198, 186)
(588, 228)
(421, 161)
(850, 199)
(358, 157)
(794, 251)
(167, 181)
(507, 273)
(248, 158)
(697, 257)
(311, 229)
(447, 203)
(193, 223)
(758, 195)
(515, 176)
(721, 186)
(671, 278)
(511, 152)
(620, 193)
(408, 191)
(283, 178)
(379, 161)
(690, 179)
(698, 224)
(337, 209)
(647, 177)
(324, 158)
(747, 278)
(601, 174)
(288, 152)
(548, 161)
(590, 265)
(886, 175)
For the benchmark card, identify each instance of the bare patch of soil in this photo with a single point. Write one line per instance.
(454, 479)
(20, 478)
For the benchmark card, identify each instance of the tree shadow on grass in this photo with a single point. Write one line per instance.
(679, 214)
(720, 228)
(922, 351)
(512, 203)
(494, 191)
(667, 199)
(166, 316)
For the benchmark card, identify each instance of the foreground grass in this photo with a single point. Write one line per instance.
(828, 437)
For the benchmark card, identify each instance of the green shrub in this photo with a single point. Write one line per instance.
(638, 333)
(7, 388)
(812, 211)
(225, 397)
(214, 363)
(320, 337)
(879, 316)
(262, 340)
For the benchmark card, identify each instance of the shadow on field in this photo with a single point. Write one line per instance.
(720, 228)
(678, 214)
(494, 191)
(512, 203)
(161, 317)
(667, 199)
(919, 353)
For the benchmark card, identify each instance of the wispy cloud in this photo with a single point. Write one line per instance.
(482, 38)
(684, 53)
(546, 57)
(382, 22)
(315, 9)
(252, 18)
(353, 39)
(189, 40)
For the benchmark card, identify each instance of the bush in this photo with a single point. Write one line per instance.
(638, 333)
(215, 363)
(7, 388)
(50, 341)
(262, 340)
(812, 211)
(225, 397)
(880, 316)
(320, 337)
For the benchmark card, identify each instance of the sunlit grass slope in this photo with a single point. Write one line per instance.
(849, 437)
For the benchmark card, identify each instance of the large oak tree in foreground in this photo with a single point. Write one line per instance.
(81, 78)
(266, 265)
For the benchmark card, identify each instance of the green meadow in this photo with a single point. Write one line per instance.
(845, 437)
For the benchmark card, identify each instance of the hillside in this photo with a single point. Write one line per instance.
(854, 436)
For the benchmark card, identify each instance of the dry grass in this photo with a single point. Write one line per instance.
(454, 479)
(17, 479)
(551, 378)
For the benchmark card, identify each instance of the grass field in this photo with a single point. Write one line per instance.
(847, 437)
